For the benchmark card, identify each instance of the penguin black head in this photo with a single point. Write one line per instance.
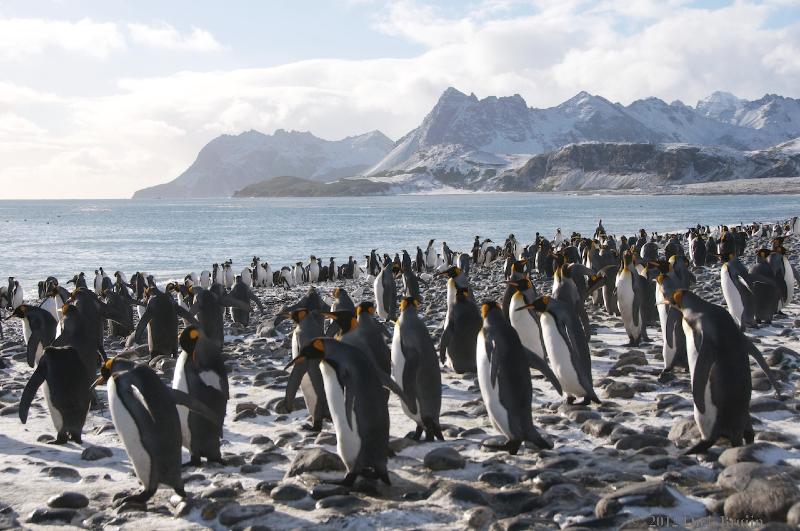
(111, 367)
(405, 302)
(188, 339)
(315, 350)
(677, 298)
(451, 272)
(297, 315)
(487, 306)
(763, 253)
(346, 319)
(20, 311)
(521, 284)
(539, 305)
(365, 306)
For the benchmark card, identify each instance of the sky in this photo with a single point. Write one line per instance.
(101, 98)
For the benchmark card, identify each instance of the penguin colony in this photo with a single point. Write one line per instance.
(349, 358)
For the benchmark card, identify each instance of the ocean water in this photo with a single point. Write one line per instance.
(171, 238)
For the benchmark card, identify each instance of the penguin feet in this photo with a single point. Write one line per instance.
(193, 461)
(316, 428)
(700, 448)
(61, 438)
(570, 400)
(348, 480)
(665, 376)
(513, 447)
(416, 434)
(123, 498)
(585, 402)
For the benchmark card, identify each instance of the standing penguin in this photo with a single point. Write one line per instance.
(313, 270)
(673, 340)
(567, 348)
(430, 256)
(160, 321)
(306, 376)
(353, 387)
(200, 372)
(505, 381)
(38, 328)
(244, 294)
(66, 390)
(386, 294)
(460, 333)
(736, 289)
(525, 322)
(630, 299)
(416, 371)
(720, 370)
(145, 416)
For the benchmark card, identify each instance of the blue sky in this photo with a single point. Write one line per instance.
(100, 98)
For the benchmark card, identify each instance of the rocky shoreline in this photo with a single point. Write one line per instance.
(617, 465)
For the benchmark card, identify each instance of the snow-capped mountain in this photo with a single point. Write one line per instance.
(775, 117)
(465, 135)
(229, 163)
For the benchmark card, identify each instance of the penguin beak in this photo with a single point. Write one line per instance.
(298, 359)
(512, 283)
(101, 380)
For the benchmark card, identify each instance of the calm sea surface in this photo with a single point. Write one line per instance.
(171, 238)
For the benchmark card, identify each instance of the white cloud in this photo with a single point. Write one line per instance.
(23, 37)
(166, 37)
(148, 130)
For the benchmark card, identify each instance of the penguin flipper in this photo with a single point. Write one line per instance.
(33, 346)
(702, 371)
(443, 342)
(293, 383)
(540, 365)
(34, 382)
(636, 305)
(391, 385)
(187, 400)
(581, 360)
(183, 313)
(756, 355)
(673, 320)
(409, 376)
(142, 326)
(233, 302)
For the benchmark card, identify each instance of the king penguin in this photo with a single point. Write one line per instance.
(200, 372)
(720, 371)
(39, 330)
(353, 387)
(306, 376)
(460, 333)
(505, 381)
(415, 368)
(66, 390)
(386, 294)
(567, 348)
(630, 299)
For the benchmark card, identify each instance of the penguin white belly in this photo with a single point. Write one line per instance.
(378, 288)
(705, 421)
(55, 414)
(129, 434)
(26, 329)
(348, 442)
(491, 394)
(556, 283)
(180, 383)
(140, 310)
(733, 299)
(667, 353)
(398, 367)
(49, 305)
(625, 303)
(306, 387)
(560, 358)
(788, 278)
(313, 273)
(526, 326)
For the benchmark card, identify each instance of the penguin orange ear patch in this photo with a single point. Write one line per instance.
(319, 345)
(193, 333)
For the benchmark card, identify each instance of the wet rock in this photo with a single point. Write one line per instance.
(326, 437)
(93, 453)
(738, 475)
(478, 517)
(762, 404)
(558, 463)
(760, 452)
(325, 490)
(264, 458)
(444, 458)
(342, 502)
(9, 410)
(641, 440)
(598, 427)
(236, 513)
(288, 492)
(647, 494)
(768, 499)
(47, 515)
(793, 516)
(68, 500)
(245, 414)
(62, 472)
(497, 479)
(672, 402)
(261, 440)
(683, 432)
(618, 390)
(219, 493)
(460, 493)
(314, 460)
